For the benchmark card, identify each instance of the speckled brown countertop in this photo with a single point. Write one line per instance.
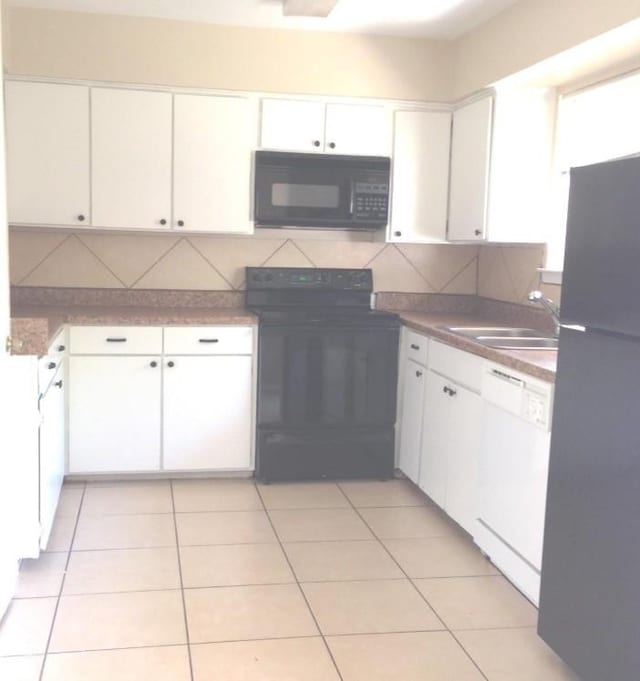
(537, 363)
(37, 326)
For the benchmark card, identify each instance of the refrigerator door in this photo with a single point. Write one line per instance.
(590, 596)
(601, 282)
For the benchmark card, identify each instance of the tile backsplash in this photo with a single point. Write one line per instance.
(48, 258)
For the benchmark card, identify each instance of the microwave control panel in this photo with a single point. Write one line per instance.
(371, 201)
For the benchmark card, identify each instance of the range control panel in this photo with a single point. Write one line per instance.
(309, 278)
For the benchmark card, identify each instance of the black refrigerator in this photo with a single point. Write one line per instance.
(590, 589)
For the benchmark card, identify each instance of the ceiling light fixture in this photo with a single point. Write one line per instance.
(308, 8)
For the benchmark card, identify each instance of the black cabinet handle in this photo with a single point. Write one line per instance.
(316, 143)
(81, 218)
(180, 223)
(51, 365)
(163, 221)
(332, 145)
(397, 234)
(418, 373)
(61, 348)
(208, 340)
(450, 391)
(170, 364)
(445, 390)
(116, 340)
(477, 232)
(58, 384)
(153, 364)
(415, 347)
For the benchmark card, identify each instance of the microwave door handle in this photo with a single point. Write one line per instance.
(351, 199)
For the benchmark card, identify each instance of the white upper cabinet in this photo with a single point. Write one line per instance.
(309, 126)
(421, 150)
(357, 129)
(47, 153)
(131, 158)
(213, 141)
(470, 160)
(292, 125)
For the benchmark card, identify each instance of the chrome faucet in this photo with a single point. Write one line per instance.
(551, 307)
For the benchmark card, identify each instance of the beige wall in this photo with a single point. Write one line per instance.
(160, 51)
(529, 32)
(203, 262)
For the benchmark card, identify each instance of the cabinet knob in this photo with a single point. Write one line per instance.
(163, 221)
(397, 234)
(415, 347)
(153, 364)
(51, 365)
(61, 348)
(316, 143)
(445, 390)
(477, 232)
(170, 364)
(58, 384)
(80, 218)
(418, 373)
(332, 145)
(180, 223)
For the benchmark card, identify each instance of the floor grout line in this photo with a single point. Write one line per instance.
(410, 579)
(300, 589)
(64, 576)
(184, 603)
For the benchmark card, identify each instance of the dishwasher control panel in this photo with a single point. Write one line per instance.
(518, 394)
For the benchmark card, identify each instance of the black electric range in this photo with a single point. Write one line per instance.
(327, 374)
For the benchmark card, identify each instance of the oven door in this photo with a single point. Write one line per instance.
(327, 376)
(303, 194)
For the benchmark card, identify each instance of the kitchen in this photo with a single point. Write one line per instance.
(182, 275)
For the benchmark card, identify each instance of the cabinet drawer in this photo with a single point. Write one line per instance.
(208, 340)
(461, 367)
(115, 340)
(416, 347)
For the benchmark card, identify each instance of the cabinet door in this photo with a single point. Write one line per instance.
(52, 454)
(47, 153)
(292, 125)
(421, 148)
(411, 422)
(357, 129)
(463, 445)
(114, 414)
(213, 141)
(131, 158)
(470, 156)
(207, 413)
(435, 436)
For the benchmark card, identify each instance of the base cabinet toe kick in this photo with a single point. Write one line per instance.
(474, 435)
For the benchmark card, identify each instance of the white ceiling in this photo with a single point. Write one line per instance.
(436, 19)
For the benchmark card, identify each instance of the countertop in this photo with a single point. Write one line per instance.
(537, 363)
(36, 327)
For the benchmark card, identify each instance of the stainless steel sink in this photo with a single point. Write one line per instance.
(507, 338)
(520, 343)
(497, 332)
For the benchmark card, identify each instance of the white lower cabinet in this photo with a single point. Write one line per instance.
(452, 420)
(52, 452)
(114, 414)
(411, 419)
(152, 411)
(207, 413)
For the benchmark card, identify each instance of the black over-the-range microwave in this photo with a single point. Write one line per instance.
(325, 191)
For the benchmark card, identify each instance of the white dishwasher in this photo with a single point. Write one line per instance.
(512, 475)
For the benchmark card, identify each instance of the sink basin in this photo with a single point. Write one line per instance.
(507, 338)
(483, 332)
(520, 343)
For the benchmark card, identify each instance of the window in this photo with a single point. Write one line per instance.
(596, 124)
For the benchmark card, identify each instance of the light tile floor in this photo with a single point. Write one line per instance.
(226, 580)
